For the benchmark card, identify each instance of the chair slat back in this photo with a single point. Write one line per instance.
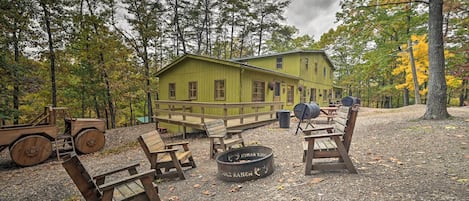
(153, 141)
(81, 178)
(215, 128)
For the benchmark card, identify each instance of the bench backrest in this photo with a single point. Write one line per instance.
(81, 178)
(215, 128)
(345, 122)
(340, 121)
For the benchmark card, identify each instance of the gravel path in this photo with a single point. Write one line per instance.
(398, 157)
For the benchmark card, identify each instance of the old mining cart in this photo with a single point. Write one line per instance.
(33, 143)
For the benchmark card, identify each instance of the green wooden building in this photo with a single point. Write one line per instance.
(289, 77)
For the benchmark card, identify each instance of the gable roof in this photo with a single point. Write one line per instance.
(224, 62)
(285, 53)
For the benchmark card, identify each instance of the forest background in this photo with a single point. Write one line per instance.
(98, 57)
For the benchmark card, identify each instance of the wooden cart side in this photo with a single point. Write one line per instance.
(9, 136)
(80, 124)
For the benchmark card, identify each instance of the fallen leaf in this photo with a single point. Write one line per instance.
(172, 188)
(450, 127)
(196, 185)
(466, 156)
(376, 158)
(459, 136)
(290, 180)
(280, 187)
(316, 180)
(235, 188)
(206, 192)
(173, 198)
(281, 180)
(462, 180)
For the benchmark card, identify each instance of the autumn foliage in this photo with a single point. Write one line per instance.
(420, 51)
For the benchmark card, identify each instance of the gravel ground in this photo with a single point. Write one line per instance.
(398, 157)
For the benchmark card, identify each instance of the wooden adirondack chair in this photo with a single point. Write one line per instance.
(333, 144)
(221, 138)
(137, 186)
(163, 157)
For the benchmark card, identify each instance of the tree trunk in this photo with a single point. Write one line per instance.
(51, 53)
(436, 104)
(147, 77)
(109, 98)
(261, 30)
(406, 96)
(16, 85)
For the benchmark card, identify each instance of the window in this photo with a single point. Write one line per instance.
(303, 95)
(172, 91)
(324, 72)
(316, 67)
(277, 89)
(324, 95)
(312, 96)
(219, 89)
(290, 94)
(306, 63)
(258, 91)
(279, 62)
(192, 90)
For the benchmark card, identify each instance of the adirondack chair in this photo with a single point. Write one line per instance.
(137, 186)
(221, 138)
(333, 144)
(163, 157)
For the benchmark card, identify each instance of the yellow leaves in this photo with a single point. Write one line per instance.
(420, 52)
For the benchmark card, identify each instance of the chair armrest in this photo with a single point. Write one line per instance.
(113, 184)
(100, 176)
(163, 151)
(176, 144)
(325, 135)
(234, 131)
(216, 136)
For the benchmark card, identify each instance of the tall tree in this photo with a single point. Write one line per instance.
(15, 20)
(47, 26)
(143, 18)
(436, 104)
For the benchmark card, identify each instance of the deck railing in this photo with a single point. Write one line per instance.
(225, 111)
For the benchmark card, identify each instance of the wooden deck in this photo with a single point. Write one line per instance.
(236, 115)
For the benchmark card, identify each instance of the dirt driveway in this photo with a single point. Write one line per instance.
(398, 157)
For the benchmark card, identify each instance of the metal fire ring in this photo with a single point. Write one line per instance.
(246, 163)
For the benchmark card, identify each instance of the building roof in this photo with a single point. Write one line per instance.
(224, 62)
(285, 53)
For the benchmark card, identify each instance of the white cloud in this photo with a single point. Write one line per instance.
(312, 17)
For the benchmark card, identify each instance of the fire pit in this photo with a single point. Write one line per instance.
(246, 163)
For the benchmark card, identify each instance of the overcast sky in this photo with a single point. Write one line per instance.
(312, 17)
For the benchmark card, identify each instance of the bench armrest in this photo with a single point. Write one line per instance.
(129, 167)
(308, 131)
(113, 184)
(325, 135)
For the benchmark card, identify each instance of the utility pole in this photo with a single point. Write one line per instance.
(414, 73)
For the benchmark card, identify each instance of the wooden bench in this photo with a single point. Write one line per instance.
(333, 144)
(164, 157)
(221, 138)
(137, 186)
